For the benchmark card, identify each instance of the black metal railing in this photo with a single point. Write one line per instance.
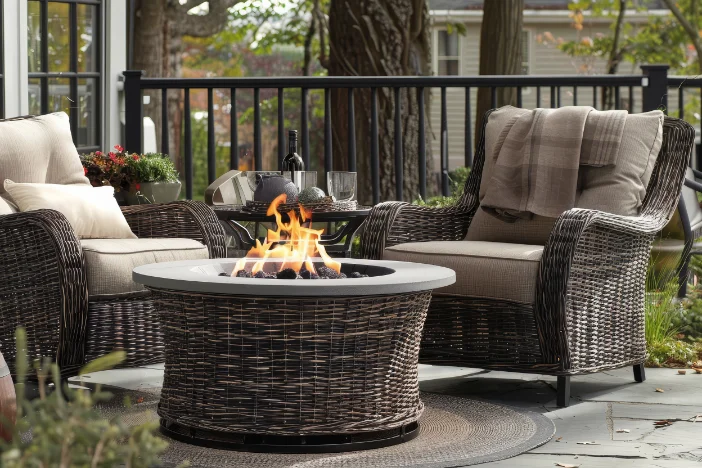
(679, 85)
(652, 85)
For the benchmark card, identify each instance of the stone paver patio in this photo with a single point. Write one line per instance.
(601, 404)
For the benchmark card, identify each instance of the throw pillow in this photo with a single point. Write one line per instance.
(39, 150)
(92, 211)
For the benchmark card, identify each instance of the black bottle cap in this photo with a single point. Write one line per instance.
(292, 134)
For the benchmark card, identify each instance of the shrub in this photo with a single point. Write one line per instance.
(62, 427)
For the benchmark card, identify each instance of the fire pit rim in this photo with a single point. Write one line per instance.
(182, 275)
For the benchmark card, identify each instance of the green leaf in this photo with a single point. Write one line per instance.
(108, 361)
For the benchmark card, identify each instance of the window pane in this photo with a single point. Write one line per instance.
(87, 112)
(34, 36)
(448, 44)
(59, 95)
(87, 47)
(448, 67)
(59, 37)
(35, 96)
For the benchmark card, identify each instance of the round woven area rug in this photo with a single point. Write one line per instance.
(454, 432)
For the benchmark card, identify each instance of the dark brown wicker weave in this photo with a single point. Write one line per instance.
(589, 311)
(290, 366)
(43, 286)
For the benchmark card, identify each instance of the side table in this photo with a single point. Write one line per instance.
(233, 215)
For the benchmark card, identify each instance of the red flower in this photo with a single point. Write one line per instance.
(98, 153)
(137, 186)
(85, 171)
(112, 156)
(119, 149)
(135, 157)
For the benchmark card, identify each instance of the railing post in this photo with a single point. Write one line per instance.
(133, 113)
(655, 92)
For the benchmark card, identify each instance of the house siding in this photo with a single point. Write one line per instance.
(543, 60)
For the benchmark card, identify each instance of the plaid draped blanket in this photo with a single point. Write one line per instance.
(538, 155)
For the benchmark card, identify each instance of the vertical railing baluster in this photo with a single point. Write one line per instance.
(558, 96)
(538, 96)
(352, 132)
(493, 97)
(304, 118)
(468, 130)
(328, 157)
(519, 96)
(188, 146)
(422, 145)
(444, 144)
(631, 99)
(617, 96)
(575, 95)
(164, 121)
(233, 132)
(399, 180)
(594, 97)
(211, 156)
(281, 127)
(258, 150)
(681, 102)
(375, 159)
(552, 96)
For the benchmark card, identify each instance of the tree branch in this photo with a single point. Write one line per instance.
(613, 61)
(689, 28)
(203, 25)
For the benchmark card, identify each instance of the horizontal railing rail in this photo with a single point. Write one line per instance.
(652, 85)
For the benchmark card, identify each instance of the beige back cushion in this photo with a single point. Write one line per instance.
(39, 150)
(618, 189)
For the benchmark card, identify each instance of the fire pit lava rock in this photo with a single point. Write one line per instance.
(292, 365)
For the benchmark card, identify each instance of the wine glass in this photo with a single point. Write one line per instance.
(341, 185)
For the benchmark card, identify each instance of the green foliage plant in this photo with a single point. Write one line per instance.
(152, 167)
(457, 182)
(63, 429)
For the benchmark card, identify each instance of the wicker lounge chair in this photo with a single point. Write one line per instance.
(572, 305)
(75, 297)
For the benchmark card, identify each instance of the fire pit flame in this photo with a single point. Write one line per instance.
(291, 245)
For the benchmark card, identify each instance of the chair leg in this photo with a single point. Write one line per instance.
(563, 391)
(639, 373)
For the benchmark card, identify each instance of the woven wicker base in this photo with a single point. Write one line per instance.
(332, 443)
(291, 366)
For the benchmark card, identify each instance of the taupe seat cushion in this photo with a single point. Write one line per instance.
(39, 150)
(109, 262)
(618, 189)
(493, 270)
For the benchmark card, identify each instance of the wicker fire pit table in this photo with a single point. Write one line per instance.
(299, 365)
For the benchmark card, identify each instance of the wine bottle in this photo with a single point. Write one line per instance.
(292, 161)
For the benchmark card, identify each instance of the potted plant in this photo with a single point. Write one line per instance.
(110, 169)
(137, 179)
(155, 179)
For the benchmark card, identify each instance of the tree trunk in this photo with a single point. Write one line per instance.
(379, 38)
(150, 51)
(500, 52)
(615, 56)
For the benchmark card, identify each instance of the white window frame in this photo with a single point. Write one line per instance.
(435, 52)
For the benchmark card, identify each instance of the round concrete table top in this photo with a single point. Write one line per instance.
(203, 276)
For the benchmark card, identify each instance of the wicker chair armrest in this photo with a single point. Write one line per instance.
(589, 307)
(180, 219)
(43, 287)
(393, 223)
